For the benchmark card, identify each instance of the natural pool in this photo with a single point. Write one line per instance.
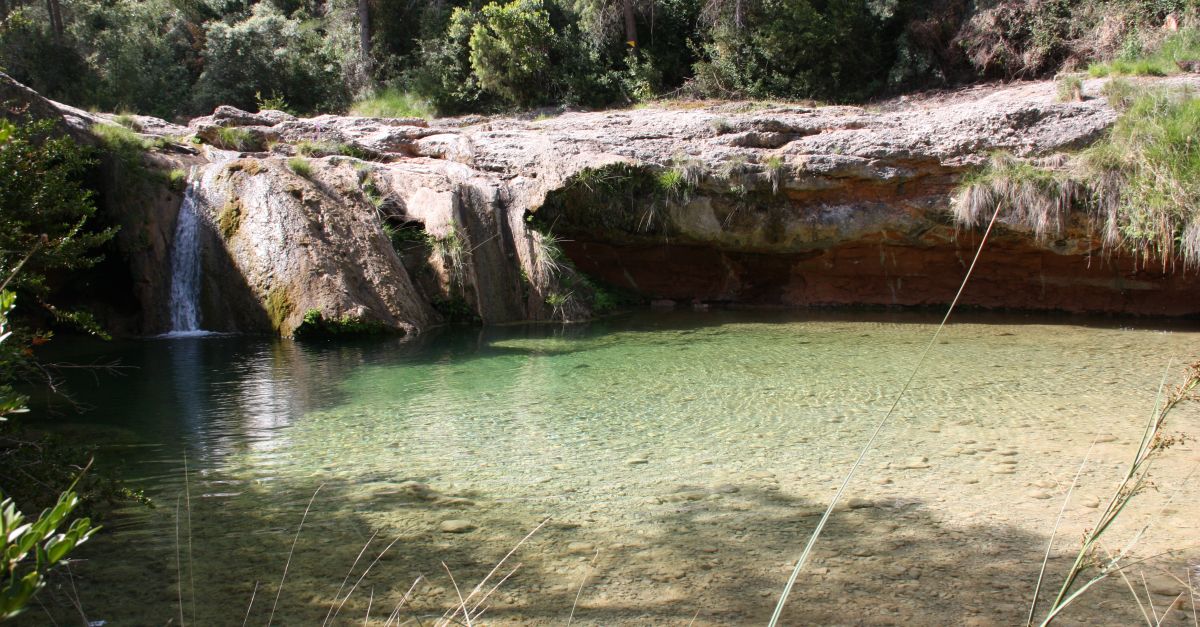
(682, 460)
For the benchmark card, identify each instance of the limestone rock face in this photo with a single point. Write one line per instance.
(300, 244)
(409, 223)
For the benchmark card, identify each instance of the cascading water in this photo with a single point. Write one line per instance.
(185, 268)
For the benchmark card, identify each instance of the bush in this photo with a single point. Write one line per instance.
(1069, 88)
(29, 550)
(233, 138)
(1141, 184)
(1147, 177)
(444, 75)
(268, 53)
(798, 49)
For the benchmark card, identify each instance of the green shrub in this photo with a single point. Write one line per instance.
(1141, 184)
(443, 74)
(315, 326)
(673, 185)
(1120, 93)
(451, 249)
(775, 172)
(42, 200)
(176, 179)
(273, 103)
(799, 49)
(1147, 177)
(327, 148)
(120, 139)
(30, 549)
(1035, 197)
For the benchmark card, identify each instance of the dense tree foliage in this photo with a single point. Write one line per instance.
(46, 214)
(182, 57)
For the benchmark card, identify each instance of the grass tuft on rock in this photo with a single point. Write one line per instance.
(1171, 56)
(1070, 88)
(392, 103)
(300, 166)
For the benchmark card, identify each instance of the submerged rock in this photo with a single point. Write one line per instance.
(457, 526)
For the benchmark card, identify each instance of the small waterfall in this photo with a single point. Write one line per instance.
(185, 268)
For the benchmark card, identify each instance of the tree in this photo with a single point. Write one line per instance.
(364, 34)
(631, 37)
(510, 50)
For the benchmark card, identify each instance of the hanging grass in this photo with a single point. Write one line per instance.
(1034, 197)
(1139, 187)
(1146, 177)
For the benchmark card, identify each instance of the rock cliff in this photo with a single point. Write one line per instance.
(408, 223)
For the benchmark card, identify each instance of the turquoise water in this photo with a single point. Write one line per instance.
(680, 460)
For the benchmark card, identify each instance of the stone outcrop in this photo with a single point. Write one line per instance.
(408, 223)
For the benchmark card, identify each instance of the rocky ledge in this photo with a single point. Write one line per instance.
(406, 223)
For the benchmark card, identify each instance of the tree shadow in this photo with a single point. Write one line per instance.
(705, 555)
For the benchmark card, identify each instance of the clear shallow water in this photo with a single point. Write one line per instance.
(682, 460)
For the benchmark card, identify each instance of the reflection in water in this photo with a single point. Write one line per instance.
(692, 452)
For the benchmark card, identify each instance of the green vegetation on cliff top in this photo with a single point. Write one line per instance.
(173, 59)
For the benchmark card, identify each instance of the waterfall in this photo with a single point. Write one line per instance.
(185, 268)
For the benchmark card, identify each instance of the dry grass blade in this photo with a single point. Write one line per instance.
(288, 563)
(462, 603)
(582, 582)
(1167, 612)
(1136, 597)
(510, 553)
(1037, 588)
(1192, 594)
(178, 563)
(1134, 481)
(346, 579)
(74, 596)
(187, 499)
(476, 608)
(1149, 598)
(370, 602)
(364, 576)
(253, 593)
(395, 615)
(448, 617)
(812, 541)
